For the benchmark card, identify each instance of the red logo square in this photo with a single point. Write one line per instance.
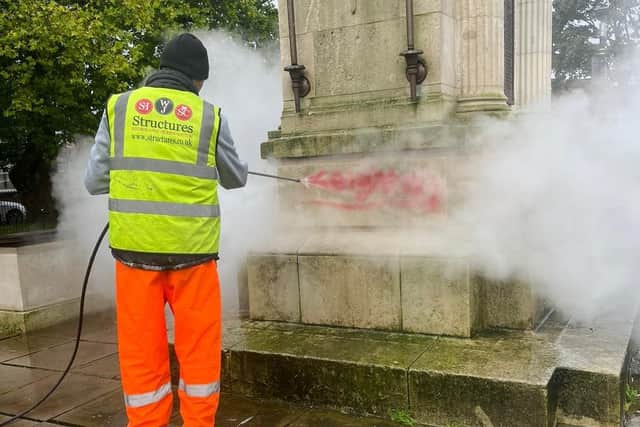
(183, 112)
(144, 106)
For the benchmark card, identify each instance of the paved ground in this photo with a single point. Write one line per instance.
(91, 396)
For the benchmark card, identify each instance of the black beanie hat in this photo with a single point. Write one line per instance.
(188, 55)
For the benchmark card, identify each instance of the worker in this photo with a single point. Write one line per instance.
(160, 152)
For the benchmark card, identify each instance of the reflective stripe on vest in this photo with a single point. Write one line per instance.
(163, 177)
(164, 166)
(199, 390)
(144, 399)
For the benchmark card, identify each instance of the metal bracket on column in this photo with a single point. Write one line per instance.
(299, 82)
(416, 66)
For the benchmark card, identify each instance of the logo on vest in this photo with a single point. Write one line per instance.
(183, 112)
(164, 106)
(144, 106)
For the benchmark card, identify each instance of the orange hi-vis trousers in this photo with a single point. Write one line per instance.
(193, 295)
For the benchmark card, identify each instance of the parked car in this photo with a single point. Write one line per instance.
(12, 212)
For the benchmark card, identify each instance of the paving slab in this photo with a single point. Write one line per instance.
(333, 419)
(633, 421)
(14, 377)
(237, 410)
(25, 423)
(107, 410)
(20, 423)
(57, 358)
(107, 367)
(108, 334)
(74, 391)
(22, 345)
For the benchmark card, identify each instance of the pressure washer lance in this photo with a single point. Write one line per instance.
(266, 175)
(81, 316)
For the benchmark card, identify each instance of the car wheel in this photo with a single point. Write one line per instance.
(15, 217)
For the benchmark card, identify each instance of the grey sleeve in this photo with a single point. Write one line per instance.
(96, 179)
(232, 170)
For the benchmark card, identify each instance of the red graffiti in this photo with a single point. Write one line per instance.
(380, 189)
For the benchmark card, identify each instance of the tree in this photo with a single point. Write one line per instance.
(576, 31)
(255, 20)
(60, 60)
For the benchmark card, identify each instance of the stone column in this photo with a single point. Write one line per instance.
(481, 33)
(533, 24)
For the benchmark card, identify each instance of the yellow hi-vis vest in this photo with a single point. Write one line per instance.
(163, 191)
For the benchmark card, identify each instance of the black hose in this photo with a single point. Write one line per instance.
(79, 333)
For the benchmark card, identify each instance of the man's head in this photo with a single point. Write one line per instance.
(187, 54)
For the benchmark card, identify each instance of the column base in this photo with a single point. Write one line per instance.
(485, 104)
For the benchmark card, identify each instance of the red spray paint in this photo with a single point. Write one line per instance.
(380, 189)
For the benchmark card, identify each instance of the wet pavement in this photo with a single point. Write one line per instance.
(91, 395)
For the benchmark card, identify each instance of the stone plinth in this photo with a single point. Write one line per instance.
(280, 299)
(439, 296)
(566, 376)
(380, 281)
(352, 291)
(40, 284)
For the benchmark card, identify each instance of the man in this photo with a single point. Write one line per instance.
(160, 152)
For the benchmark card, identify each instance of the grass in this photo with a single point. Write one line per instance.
(401, 416)
(630, 397)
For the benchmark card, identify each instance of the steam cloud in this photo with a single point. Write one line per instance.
(554, 201)
(553, 197)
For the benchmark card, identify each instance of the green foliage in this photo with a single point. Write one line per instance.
(630, 397)
(401, 416)
(60, 60)
(255, 20)
(576, 30)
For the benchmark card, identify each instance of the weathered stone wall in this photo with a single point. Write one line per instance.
(351, 51)
(358, 84)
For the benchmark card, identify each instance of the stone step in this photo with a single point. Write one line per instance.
(566, 375)
(380, 281)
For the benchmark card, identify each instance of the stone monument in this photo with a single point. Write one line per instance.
(348, 308)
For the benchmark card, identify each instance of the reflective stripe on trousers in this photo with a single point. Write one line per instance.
(143, 399)
(199, 390)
